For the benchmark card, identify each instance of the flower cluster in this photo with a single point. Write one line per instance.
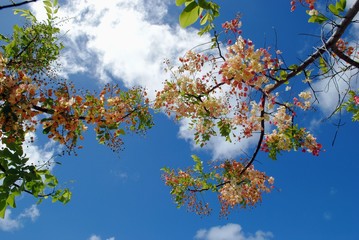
(191, 96)
(180, 183)
(71, 113)
(234, 26)
(287, 136)
(17, 95)
(243, 188)
(309, 3)
(305, 104)
(356, 100)
(247, 66)
(235, 185)
(234, 100)
(64, 114)
(352, 105)
(343, 47)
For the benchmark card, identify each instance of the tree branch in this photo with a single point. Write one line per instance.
(50, 111)
(17, 4)
(31, 193)
(260, 140)
(329, 44)
(344, 57)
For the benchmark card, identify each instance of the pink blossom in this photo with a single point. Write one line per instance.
(356, 100)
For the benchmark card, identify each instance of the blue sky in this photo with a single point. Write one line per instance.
(122, 197)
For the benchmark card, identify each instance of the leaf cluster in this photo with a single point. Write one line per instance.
(17, 175)
(33, 47)
(204, 10)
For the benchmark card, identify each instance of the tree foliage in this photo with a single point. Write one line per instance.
(238, 91)
(235, 90)
(32, 97)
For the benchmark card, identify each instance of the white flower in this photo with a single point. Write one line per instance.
(305, 95)
(313, 12)
(271, 180)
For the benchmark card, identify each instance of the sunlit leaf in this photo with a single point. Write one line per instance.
(189, 15)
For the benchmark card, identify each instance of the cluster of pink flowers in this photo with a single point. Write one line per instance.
(229, 104)
(287, 137)
(306, 104)
(249, 66)
(233, 26)
(18, 96)
(356, 100)
(243, 189)
(343, 47)
(309, 3)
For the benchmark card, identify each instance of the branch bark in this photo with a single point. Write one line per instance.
(17, 4)
(344, 57)
(50, 111)
(260, 140)
(330, 44)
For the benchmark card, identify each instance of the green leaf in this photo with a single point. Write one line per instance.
(204, 4)
(121, 131)
(11, 200)
(323, 65)
(189, 15)
(25, 13)
(283, 75)
(224, 129)
(206, 29)
(3, 38)
(340, 5)
(317, 19)
(3, 205)
(293, 67)
(46, 130)
(333, 9)
(48, 10)
(180, 2)
(204, 19)
(48, 3)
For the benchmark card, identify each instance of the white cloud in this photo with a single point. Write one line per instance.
(126, 40)
(32, 212)
(11, 224)
(41, 156)
(331, 91)
(230, 231)
(217, 145)
(8, 223)
(96, 237)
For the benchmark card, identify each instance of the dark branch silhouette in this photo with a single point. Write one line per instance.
(16, 4)
(328, 45)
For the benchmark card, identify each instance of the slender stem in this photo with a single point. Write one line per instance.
(16, 4)
(344, 57)
(329, 44)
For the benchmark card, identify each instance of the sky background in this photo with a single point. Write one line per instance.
(122, 197)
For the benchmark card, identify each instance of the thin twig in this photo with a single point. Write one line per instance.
(17, 4)
(329, 44)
